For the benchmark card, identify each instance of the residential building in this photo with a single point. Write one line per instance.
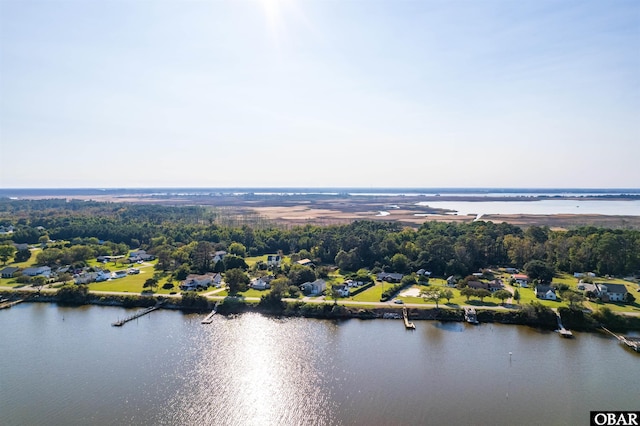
(314, 288)
(545, 292)
(8, 271)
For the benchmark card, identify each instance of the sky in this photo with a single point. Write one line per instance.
(286, 93)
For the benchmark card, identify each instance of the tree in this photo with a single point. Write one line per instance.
(629, 298)
(231, 261)
(6, 252)
(400, 263)
(236, 280)
(150, 283)
(468, 292)
(38, 282)
(299, 274)
(516, 296)
(537, 269)
(237, 249)
(447, 294)
(481, 293)
(502, 295)
(22, 255)
(433, 295)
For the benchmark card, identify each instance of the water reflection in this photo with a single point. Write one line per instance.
(249, 371)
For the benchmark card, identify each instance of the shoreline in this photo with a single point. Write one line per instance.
(531, 315)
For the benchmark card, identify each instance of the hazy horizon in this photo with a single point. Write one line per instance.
(424, 94)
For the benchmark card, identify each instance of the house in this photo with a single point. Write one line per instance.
(352, 283)
(545, 292)
(195, 281)
(495, 285)
(611, 292)
(118, 274)
(261, 283)
(217, 279)
(314, 288)
(85, 278)
(424, 272)
(274, 260)
(9, 271)
(478, 285)
(390, 277)
(451, 281)
(521, 279)
(6, 230)
(587, 287)
(511, 270)
(218, 256)
(45, 271)
(21, 246)
(138, 255)
(341, 289)
(305, 262)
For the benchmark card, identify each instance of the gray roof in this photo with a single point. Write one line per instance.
(615, 288)
(544, 288)
(9, 270)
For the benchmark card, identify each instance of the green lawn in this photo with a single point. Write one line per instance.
(372, 294)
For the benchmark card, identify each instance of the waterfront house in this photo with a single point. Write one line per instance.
(391, 277)
(8, 271)
(476, 285)
(314, 288)
(119, 274)
(611, 292)
(495, 285)
(261, 283)
(45, 271)
(341, 289)
(85, 278)
(195, 281)
(274, 260)
(545, 292)
(521, 279)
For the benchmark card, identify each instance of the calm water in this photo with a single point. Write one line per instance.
(606, 207)
(68, 366)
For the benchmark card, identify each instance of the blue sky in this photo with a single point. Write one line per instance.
(319, 93)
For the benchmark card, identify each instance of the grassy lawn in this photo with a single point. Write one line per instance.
(249, 293)
(372, 294)
(30, 262)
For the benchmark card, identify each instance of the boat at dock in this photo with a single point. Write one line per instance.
(471, 316)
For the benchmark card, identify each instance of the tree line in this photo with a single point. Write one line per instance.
(187, 235)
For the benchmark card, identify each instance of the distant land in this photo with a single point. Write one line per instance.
(563, 207)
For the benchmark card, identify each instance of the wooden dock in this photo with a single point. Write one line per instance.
(137, 315)
(632, 343)
(209, 318)
(405, 316)
(563, 331)
(6, 303)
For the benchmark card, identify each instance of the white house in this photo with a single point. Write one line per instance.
(545, 292)
(195, 281)
(341, 289)
(521, 279)
(274, 260)
(612, 292)
(314, 288)
(118, 274)
(261, 283)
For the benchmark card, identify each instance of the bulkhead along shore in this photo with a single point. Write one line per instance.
(328, 254)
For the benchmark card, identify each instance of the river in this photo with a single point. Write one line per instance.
(65, 366)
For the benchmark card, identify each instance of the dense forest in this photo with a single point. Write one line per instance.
(175, 234)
